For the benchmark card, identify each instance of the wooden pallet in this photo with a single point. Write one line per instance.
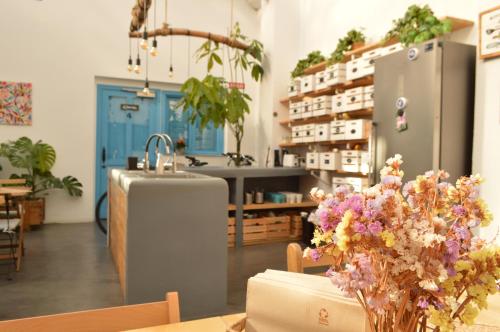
(296, 227)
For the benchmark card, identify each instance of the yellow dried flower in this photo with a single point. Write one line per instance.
(388, 237)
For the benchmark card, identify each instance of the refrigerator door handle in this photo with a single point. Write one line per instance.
(372, 144)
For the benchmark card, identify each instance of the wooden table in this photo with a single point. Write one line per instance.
(14, 192)
(212, 324)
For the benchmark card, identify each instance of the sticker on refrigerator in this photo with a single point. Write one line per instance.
(401, 122)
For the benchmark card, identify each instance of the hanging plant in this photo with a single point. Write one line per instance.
(418, 25)
(312, 59)
(212, 99)
(346, 44)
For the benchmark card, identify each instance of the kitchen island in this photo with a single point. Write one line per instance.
(168, 232)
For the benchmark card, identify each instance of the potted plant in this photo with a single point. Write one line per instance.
(418, 25)
(35, 160)
(354, 39)
(213, 99)
(312, 59)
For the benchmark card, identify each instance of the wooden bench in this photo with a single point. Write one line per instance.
(102, 320)
(296, 262)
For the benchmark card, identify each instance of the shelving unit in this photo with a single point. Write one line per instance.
(363, 113)
(331, 143)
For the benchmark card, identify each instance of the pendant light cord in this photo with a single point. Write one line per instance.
(189, 56)
(166, 13)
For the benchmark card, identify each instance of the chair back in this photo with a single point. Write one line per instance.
(102, 320)
(296, 262)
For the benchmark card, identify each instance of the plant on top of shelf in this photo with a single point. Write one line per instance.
(213, 99)
(312, 59)
(418, 25)
(346, 44)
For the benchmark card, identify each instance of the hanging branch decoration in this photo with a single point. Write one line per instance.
(212, 100)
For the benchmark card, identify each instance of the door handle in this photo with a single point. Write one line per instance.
(103, 157)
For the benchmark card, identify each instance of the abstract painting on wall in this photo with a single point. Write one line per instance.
(15, 104)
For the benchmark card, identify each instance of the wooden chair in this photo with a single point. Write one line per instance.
(297, 263)
(12, 223)
(102, 320)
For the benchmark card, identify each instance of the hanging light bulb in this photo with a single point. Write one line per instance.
(137, 68)
(130, 66)
(144, 41)
(154, 49)
(146, 90)
(171, 71)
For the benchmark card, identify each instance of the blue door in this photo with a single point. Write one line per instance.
(124, 122)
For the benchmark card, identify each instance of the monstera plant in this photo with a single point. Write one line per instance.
(35, 161)
(213, 99)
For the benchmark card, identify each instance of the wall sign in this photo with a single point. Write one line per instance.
(489, 33)
(129, 107)
(15, 104)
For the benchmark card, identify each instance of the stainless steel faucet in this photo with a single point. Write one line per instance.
(160, 159)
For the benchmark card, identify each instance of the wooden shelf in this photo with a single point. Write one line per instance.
(330, 143)
(331, 90)
(271, 206)
(363, 113)
(346, 174)
(456, 24)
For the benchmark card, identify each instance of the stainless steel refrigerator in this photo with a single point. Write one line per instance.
(424, 107)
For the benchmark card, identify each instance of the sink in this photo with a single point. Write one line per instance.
(124, 177)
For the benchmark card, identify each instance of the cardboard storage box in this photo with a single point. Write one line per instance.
(295, 110)
(368, 61)
(307, 108)
(351, 160)
(322, 105)
(307, 83)
(312, 160)
(337, 130)
(297, 134)
(354, 69)
(337, 182)
(294, 87)
(320, 81)
(354, 99)
(357, 129)
(322, 132)
(335, 74)
(391, 49)
(330, 161)
(357, 184)
(309, 133)
(338, 103)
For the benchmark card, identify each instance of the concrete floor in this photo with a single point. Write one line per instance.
(68, 267)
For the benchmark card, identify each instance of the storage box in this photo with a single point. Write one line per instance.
(354, 99)
(312, 160)
(322, 105)
(320, 81)
(322, 132)
(373, 54)
(357, 184)
(330, 161)
(307, 83)
(365, 162)
(368, 61)
(337, 182)
(354, 69)
(307, 108)
(335, 74)
(391, 49)
(295, 110)
(357, 129)
(297, 134)
(309, 133)
(368, 96)
(337, 130)
(338, 103)
(351, 160)
(294, 87)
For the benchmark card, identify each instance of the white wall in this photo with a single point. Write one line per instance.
(62, 46)
(323, 22)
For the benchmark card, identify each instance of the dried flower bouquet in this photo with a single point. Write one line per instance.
(408, 253)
